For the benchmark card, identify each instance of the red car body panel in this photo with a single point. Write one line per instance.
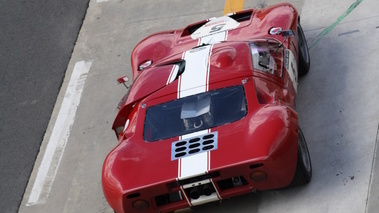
(264, 140)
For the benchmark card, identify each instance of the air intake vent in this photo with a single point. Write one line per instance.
(240, 17)
(195, 145)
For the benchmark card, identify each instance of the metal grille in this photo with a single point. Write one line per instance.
(194, 145)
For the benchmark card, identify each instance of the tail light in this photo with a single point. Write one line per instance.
(140, 205)
(258, 176)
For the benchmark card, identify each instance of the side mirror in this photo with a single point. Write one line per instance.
(123, 80)
(280, 31)
(276, 31)
(288, 33)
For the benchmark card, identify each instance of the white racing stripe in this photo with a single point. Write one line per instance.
(195, 78)
(59, 136)
(194, 165)
(193, 81)
(213, 39)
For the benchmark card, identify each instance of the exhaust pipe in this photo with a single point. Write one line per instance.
(208, 190)
(194, 193)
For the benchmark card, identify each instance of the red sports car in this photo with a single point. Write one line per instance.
(211, 114)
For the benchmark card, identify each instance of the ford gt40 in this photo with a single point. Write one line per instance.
(211, 114)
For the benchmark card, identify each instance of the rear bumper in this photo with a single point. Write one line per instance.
(226, 182)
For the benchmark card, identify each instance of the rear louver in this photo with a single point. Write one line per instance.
(195, 145)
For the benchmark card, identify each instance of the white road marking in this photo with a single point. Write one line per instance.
(59, 136)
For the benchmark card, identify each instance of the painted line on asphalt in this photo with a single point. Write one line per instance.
(331, 27)
(59, 136)
(233, 6)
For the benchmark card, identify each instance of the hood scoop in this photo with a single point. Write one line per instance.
(176, 71)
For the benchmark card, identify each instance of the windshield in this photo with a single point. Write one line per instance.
(195, 113)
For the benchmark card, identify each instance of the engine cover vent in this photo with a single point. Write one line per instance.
(194, 145)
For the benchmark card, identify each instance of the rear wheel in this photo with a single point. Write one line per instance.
(303, 172)
(304, 58)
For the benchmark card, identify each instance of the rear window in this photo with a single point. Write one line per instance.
(195, 113)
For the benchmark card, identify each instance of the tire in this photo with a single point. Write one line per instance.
(304, 58)
(303, 173)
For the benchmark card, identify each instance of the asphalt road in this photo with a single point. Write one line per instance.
(36, 42)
